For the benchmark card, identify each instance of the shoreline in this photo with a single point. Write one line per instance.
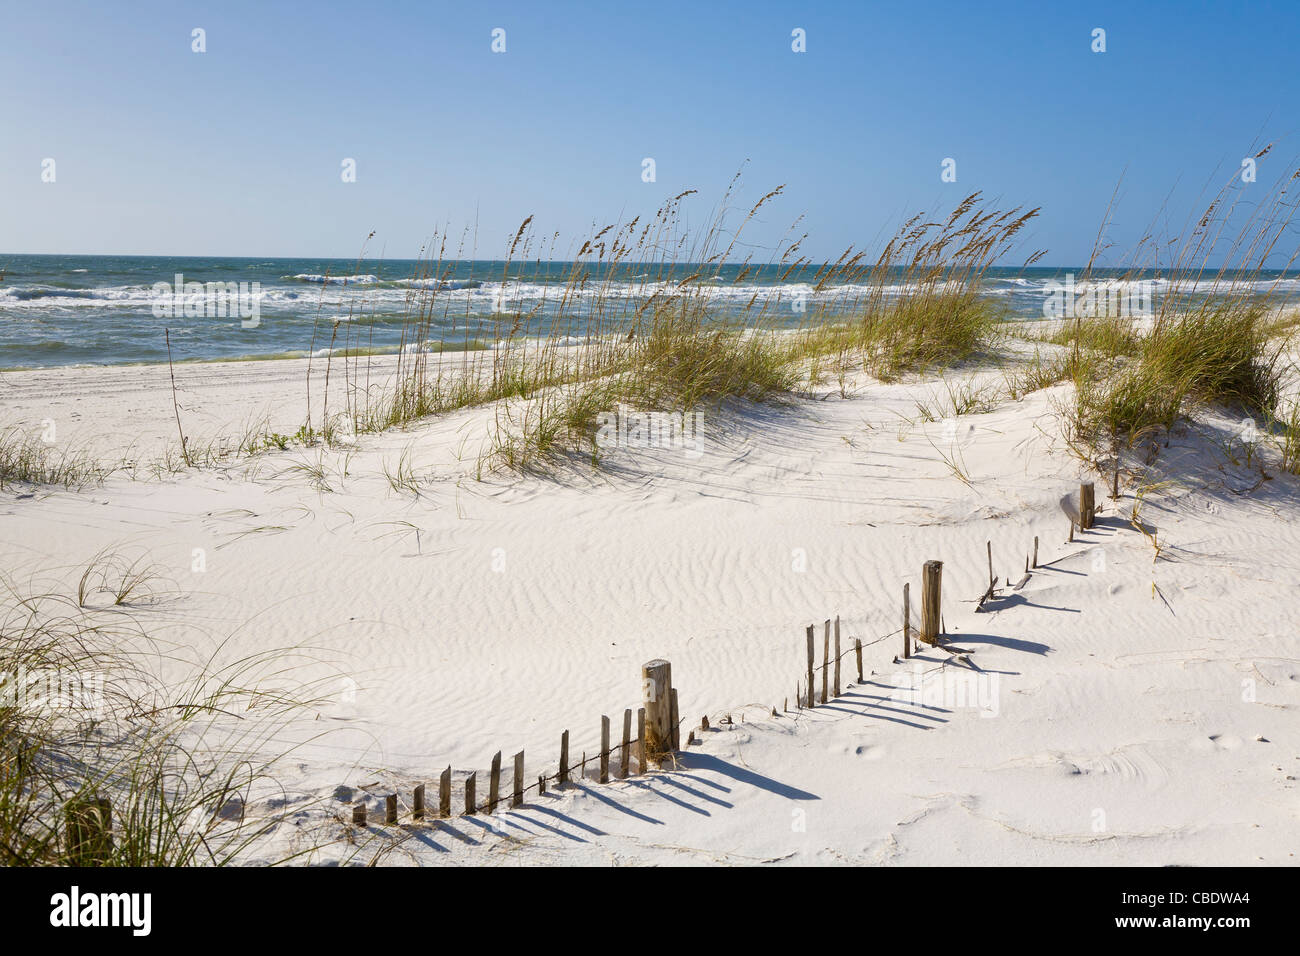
(1279, 313)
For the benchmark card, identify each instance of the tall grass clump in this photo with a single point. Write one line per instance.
(656, 316)
(1108, 335)
(916, 306)
(27, 459)
(1211, 338)
(920, 303)
(85, 717)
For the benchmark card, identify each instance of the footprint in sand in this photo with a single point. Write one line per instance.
(865, 751)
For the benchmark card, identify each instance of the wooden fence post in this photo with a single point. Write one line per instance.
(837, 655)
(564, 757)
(470, 785)
(494, 783)
(656, 683)
(359, 814)
(1087, 505)
(640, 740)
(676, 718)
(604, 749)
(390, 808)
(931, 595)
(627, 744)
(907, 621)
(89, 831)
(990, 546)
(517, 799)
(812, 661)
(826, 658)
(857, 647)
(417, 805)
(444, 793)
(1035, 550)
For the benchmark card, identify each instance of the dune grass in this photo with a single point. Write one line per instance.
(1213, 338)
(916, 307)
(25, 458)
(1217, 357)
(1110, 336)
(84, 718)
(1287, 429)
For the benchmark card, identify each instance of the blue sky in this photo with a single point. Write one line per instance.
(237, 151)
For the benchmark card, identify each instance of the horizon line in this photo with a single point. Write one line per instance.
(624, 263)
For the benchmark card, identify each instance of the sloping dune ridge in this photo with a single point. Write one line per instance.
(1130, 702)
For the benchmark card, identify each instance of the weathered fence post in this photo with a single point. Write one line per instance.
(640, 740)
(564, 757)
(470, 784)
(494, 783)
(812, 663)
(390, 808)
(604, 749)
(857, 647)
(517, 799)
(359, 814)
(1087, 505)
(931, 594)
(837, 655)
(826, 658)
(1035, 550)
(675, 716)
(990, 545)
(627, 744)
(89, 831)
(444, 793)
(657, 682)
(417, 804)
(907, 620)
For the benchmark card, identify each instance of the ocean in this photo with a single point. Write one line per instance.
(111, 310)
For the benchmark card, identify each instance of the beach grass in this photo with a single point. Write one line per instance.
(84, 718)
(916, 307)
(25, 458)
(1135, 377)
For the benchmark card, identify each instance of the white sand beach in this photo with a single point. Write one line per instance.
(1118, 708)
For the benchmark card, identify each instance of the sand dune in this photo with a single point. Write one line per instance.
(1133, 711)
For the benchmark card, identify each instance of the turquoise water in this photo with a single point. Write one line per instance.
(105, 310)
